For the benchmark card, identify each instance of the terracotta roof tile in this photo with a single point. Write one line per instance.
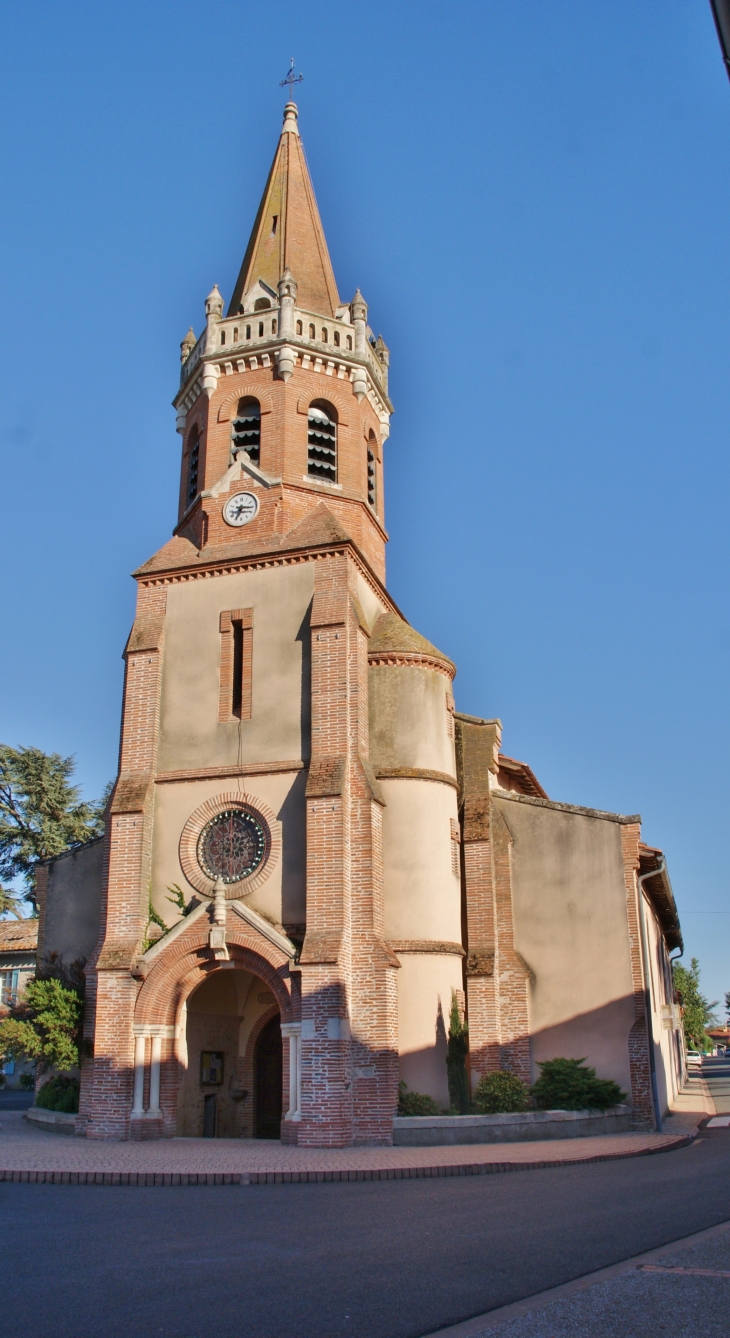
(18, 935)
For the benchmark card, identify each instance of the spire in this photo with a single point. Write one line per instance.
(288, 232)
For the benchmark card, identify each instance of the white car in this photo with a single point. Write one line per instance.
(694, 1057)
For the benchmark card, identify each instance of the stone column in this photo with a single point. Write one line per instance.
(156, 1055)
(139, 1066)
(294, 1030)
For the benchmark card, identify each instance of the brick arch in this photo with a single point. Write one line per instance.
(252, 389)
(332, 398)
(187, 964)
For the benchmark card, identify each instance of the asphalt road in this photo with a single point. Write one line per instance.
(371, 1260)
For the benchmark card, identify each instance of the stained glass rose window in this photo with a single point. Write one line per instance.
(232, 845)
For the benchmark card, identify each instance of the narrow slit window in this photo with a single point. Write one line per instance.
(223, 337)
(372, 473)
(337, 338)
(312, 332)
(236, 628)
(273, 327)
(324, 336)
(193, 466)
(235, 336)
(274, 223)
(349, 341)
(237, 686)
(261, 329)
(246, 429)
(299, 327)
(248, 331)
(322, 442)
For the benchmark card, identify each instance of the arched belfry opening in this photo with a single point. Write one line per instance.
(231, 1085)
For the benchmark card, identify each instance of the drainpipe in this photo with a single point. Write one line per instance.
(647, 990)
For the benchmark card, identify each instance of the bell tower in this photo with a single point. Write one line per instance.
(283, 399)
(245, 785)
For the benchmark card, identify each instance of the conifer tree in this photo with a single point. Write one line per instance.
(41, 814)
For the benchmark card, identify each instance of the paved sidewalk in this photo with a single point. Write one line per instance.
(681, 1290)
(31, 1154)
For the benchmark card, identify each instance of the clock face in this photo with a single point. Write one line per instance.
(240, 508)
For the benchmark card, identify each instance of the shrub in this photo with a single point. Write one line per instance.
(27, 1081)
(499, 1093)
(415, 1103)
(566, 1084)
(59, 1093)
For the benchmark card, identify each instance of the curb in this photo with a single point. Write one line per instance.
(154, 1179)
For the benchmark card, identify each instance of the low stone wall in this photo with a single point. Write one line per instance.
(526, 1126)
(55, 1120)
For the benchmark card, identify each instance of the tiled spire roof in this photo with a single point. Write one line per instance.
(288, 231)
(395, 635)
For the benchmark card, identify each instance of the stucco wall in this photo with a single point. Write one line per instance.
(282, 896)
(666, 1042)
(421, 893)
(425, 982)
(408, 718)
(190, 734)
(571, 929)
(73, 902)
(371, 606)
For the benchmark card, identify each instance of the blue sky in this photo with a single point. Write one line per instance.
(535, 201)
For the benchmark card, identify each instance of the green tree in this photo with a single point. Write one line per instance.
(456, 1052)
(45, 1025)
(41, 813)
(698, 1014)
(11, 903)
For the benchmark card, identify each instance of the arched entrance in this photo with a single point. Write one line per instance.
(268, 1067)
(226, 1018)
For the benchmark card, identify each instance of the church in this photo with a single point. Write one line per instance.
(309, 851)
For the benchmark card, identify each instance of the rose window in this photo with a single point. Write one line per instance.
(232, 846)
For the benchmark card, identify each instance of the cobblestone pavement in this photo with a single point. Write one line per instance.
(679, 1292)
(28, 1152)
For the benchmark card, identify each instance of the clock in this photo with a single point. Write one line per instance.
(240, 509)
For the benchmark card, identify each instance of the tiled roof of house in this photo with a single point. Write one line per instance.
(18, 935)
(517, 775)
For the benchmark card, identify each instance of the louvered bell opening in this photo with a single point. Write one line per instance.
(322, 445)
(372, 484)
(247, 430)
(193, 463)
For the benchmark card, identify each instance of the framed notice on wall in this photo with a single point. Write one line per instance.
(211, 1068)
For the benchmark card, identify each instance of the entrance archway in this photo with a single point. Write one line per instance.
(268, 1074)
(225, 1018)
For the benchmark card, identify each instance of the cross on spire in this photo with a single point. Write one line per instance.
(291, 79)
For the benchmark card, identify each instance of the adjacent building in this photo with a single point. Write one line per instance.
(18, 944)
